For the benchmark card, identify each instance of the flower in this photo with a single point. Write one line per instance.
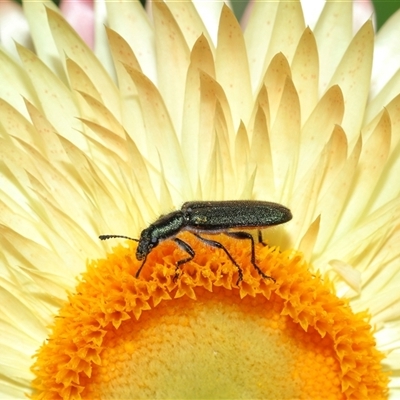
(200, 111)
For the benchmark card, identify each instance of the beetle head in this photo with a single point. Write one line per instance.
(147, 242)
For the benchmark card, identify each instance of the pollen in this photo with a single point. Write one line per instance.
(199, 334)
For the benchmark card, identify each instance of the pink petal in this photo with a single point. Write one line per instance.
(80, 14)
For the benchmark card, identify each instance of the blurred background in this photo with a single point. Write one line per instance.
(383, 8)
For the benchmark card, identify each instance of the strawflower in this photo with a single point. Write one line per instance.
(182, 104)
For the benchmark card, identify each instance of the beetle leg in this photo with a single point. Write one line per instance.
(218, 245)
(260, 238)
(140, 268)
(185, 247)
(244, 236)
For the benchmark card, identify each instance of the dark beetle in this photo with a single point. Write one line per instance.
(210, 217)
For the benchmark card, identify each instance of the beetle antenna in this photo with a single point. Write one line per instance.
(105, 237)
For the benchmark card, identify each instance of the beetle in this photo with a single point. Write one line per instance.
(210, 217)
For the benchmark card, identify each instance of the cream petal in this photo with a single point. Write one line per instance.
(313, 192)
(312, 11)
(285, 138)
(54, 98)
(353, 75)
(260, 159)
(374, 154)
(127, 173)
(386, 54)
(362, 12)
(210, 12)
(191, 25)
(22, 230)
(309, 239)
(383, 306)
(15, 125)
(224, 144)
(242, 163)
(171, 47)
(212, 96)
(388, 93)
(305, 73)
(333, 33)
(288, 27)
(97, 113)
(215, 182)
(331, 206)
(360, 245)
(23, 313)
(161, 137)
(80, 81)
(275, 80)
(130, 21)
(350, 275)
(132, 117)
(15, 85)
(70, 45)
(234, 77)
(45, 48)
(387, 189)
(196, 124)
(260, 25)
(327, 114)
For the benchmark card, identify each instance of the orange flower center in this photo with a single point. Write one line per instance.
(203, 336)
